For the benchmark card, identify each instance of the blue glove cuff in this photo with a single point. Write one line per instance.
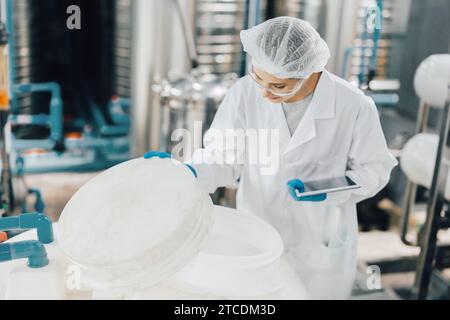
(165, 155)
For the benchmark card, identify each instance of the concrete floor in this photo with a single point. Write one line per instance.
(57, 189)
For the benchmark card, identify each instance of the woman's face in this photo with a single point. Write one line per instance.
(268, 81)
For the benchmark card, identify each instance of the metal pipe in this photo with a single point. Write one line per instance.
(411, 188)
(188, 35)
(56, 105)
(408, 203)
(376, 40)
(11, 53)
(434, 208)
(422, 118)
(7, 194)
(345, 66)
(39, 204)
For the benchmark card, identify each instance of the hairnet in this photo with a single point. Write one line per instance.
(286, 47)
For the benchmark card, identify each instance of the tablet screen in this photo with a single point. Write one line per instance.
(327, 185)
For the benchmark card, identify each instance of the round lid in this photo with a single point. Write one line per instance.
(141, 218)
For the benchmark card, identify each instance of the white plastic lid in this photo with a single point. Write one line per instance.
(141, 218)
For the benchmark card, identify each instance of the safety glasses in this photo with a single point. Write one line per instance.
(279, 92)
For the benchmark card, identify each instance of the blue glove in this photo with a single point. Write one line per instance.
(157, 154)
(165, 155)
(297, 184)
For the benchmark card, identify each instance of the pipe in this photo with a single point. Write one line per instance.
(56, 106)
(27, 221)
(434, 209)
(11, 53)
(408, 203)
(347, 56)
(411, 188)
(31, 249)
(188, 35)
(376, 40)
(7, 194)
(39, 204)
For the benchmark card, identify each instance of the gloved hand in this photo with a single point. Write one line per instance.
(297, 184)
(165, 155)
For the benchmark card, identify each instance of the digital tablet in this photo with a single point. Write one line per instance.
(315, 187)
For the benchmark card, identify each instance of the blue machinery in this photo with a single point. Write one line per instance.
(33, 250)
(91, 149)
(384, 99)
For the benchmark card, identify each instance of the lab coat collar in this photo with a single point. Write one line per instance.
(323, 103)
(322, 106)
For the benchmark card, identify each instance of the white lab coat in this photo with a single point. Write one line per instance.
(339, 134)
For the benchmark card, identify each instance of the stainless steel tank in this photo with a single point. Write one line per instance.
(217, 27)
(309, 10)
(188, 99)
(122, 48)
(29, 39)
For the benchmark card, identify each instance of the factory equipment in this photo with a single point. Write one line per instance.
(13, 188)
(368, 63)
(34, 249)
(217, 27)
(7, 199)
(69, 105)
(379, 26)
(187, 100)
(31, 249)
(309, 10)
(425, 162)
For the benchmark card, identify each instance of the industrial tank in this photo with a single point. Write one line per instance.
(146, 230)
(189, 98)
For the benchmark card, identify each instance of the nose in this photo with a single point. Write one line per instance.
(266, 93)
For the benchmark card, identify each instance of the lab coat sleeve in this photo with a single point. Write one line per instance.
(220, 162)
(369, 161)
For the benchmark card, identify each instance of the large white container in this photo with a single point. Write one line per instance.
(145, 230)
(240, 258)
(418, 159)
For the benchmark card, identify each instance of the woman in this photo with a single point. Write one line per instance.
(326, 128)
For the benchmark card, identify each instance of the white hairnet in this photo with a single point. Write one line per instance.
(286, 47)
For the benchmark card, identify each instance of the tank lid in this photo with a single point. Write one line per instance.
(142, 219)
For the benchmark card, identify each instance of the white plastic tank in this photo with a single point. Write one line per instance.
(145, 230)
(418, 159)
